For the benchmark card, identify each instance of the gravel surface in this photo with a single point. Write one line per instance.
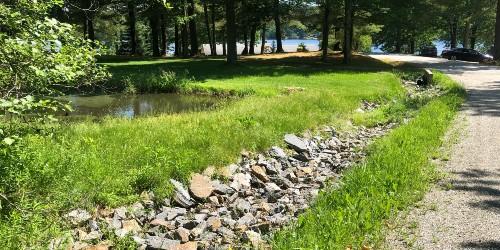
(465, 212)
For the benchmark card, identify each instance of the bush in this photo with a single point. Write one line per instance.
(302, 48)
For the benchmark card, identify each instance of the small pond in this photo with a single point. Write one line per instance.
(130, 106)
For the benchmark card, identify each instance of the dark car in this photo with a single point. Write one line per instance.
(465, 55)
(429, 51)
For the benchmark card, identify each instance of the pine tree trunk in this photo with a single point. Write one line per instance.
(497, 33)
(90, 26)
(348, 28)
(163, 29)
(245, 39)
(132, 20)
(253, 31)
(263, 36)
(453, 33)
(184, 40)
(232, 53)
(326, 30)
(153, 22)
(466, 35)
(213, 29)
(224, 45)
(412, 46)
(473, 36)
(177, 43)
(277, 23)
(207, 25)
(193, 34)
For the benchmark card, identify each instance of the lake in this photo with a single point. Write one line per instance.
(289, 45)
(130, 106)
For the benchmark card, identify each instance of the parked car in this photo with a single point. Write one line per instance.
(429, 51)
(466, 55)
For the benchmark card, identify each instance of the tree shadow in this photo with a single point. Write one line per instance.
(481, 245)
(481, 183)
(485, 101)
(203, 69)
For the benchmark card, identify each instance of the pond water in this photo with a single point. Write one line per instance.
(130, 106)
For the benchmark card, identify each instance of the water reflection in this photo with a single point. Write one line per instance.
(131, 106)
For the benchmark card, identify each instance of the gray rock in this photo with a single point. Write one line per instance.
(182, 196)
(157, 242)
(200, 217)
(120, 213)
(226, 233)
(199, 229)
(221, 188)
(92, 236)
(246, 220)
(93, 225)
(272, 187)
(253, 237)
(295, 143)
(138, 210)
(78, 216)
(169, 213)
(241, 181)
(139, 240)
(242, 206)
(277, 152)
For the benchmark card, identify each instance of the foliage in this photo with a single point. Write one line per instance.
(40, 55)
(302, 48)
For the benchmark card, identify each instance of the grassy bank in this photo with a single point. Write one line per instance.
(110, 162)
(396, 174)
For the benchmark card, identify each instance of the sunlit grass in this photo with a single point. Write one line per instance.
(396, 174)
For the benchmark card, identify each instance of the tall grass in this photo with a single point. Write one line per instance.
(396, 174)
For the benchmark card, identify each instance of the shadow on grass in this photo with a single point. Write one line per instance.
(202, 69)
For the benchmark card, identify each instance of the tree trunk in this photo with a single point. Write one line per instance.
(163, 29)
(263, 36)
(326, 30)
(90, 27)
(497, 33)
(224, 45)
(466, 35)
(153, 22)
(245, 40)
(184, 40)
(412, 46)
(177, 43)
(207, 24)
(232, 53)
(213, 29)
(132, 20)
(348, 28)
(453, 33)
(193, 35)
(253, 31)
(277, 23)
(85, 28)
(473, 36)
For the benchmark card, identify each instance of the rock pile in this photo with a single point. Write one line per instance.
(263, 192)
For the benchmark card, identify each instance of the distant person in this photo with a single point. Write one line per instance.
(273, 46)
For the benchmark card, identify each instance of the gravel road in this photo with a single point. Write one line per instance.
(466, 213)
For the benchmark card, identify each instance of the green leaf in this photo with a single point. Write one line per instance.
(8, 141)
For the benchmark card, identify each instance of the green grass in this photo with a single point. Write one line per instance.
(396, 174)
(111, 161)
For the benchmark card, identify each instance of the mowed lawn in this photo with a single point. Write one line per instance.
(112, 161)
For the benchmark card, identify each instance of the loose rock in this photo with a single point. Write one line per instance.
(200, 186)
